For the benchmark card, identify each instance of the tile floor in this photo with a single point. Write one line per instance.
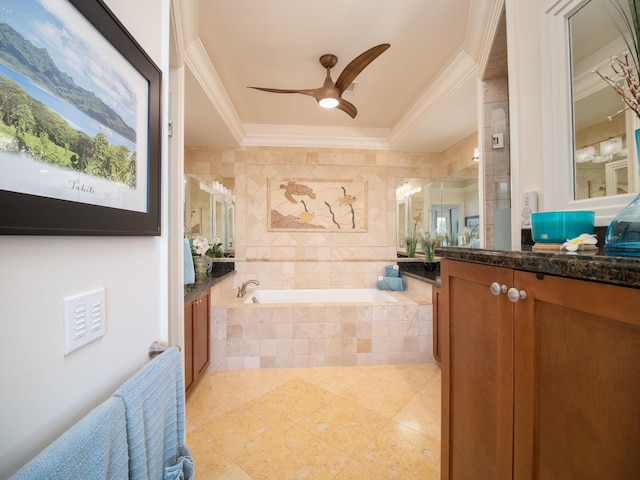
(343, 423)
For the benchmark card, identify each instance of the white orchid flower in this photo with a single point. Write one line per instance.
(578, 243)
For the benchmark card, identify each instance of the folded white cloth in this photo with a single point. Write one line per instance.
(95, 448)
(154, 409)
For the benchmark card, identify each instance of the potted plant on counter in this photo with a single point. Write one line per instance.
(428, 243)
(199, 248)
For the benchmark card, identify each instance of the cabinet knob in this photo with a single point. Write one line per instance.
(497, 289)
(514, 295)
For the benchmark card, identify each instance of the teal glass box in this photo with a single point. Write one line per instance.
(558, 227)
(623, 235)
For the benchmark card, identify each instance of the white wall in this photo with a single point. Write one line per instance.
(525, 103)
(44, 392)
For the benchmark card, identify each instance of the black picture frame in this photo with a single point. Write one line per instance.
(471, 221)
(26, 214)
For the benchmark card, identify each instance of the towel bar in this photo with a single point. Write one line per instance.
(157, 347)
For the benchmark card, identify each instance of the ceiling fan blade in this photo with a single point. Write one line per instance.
(358, 64)
(311, 92)
(347, 107)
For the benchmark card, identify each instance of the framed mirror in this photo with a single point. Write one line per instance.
(209, 209)
(579, 139)
(443, 207)
(602, 127)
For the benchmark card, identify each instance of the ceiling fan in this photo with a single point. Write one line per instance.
(330, 94)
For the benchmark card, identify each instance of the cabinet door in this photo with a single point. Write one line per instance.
(188, 344)
(577, 388)
(201, 334)
(437, 331)
(477, 372)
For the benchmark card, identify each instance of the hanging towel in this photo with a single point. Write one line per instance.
(390, 283)
(189, 271)
(154, 409)
(95, 448)
(392, 271)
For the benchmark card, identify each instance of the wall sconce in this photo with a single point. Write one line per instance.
(586, 154)
(610, 147)
(476, 155)
(404, 191)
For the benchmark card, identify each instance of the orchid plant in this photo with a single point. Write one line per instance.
(215, 250)
(199, 246)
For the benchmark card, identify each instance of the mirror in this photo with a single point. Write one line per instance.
(209, 209)
(448, 207)
(559, 37)
(603, 154)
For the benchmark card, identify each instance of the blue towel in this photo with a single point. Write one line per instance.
(154, 408)
(189, 271)
(390, 283)
(392, 271)
(94, 448)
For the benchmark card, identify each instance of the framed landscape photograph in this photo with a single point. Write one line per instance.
(80, 122)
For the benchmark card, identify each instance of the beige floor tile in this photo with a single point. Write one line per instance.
(258, 382)
(415, 415)
(237, 432)
(333, 379)
(357, 470)
(235, 473)
(297, 454)
(316, 423)
(403, 453)
(378, 395)
(296, 399)
(345, 425)
(413, 377)
(210, 462)
(423, 412)
(212, 399)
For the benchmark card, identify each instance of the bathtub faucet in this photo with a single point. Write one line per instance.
(243, 289)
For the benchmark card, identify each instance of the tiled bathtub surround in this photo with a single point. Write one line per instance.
(245, 336)
(250, 336)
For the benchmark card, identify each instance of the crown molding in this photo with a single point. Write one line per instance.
(315, 137)
(197, 60)
(459, 70)
(486, 25)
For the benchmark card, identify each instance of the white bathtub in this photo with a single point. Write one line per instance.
(320, 295)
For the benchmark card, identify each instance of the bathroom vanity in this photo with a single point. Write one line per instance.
(197, 324)
(540, 358)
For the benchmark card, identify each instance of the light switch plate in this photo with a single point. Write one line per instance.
(529, 206)
(497, 140)
(84, 319)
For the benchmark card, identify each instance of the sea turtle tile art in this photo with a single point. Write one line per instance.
(296, 204)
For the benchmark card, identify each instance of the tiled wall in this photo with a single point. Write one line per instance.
(252, 336)
(496, 162)
(313, 259)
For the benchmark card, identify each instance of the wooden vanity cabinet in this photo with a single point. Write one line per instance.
(477, 373)
(196, 338)
(543, 387)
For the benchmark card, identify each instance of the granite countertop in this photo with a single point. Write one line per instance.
(221, 269)
(623, 271)
(193, 290)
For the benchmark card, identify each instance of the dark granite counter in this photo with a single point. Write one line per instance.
(219, 271)
(623, 271)
(418, 269)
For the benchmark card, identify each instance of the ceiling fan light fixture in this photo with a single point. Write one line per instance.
(328, 102)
